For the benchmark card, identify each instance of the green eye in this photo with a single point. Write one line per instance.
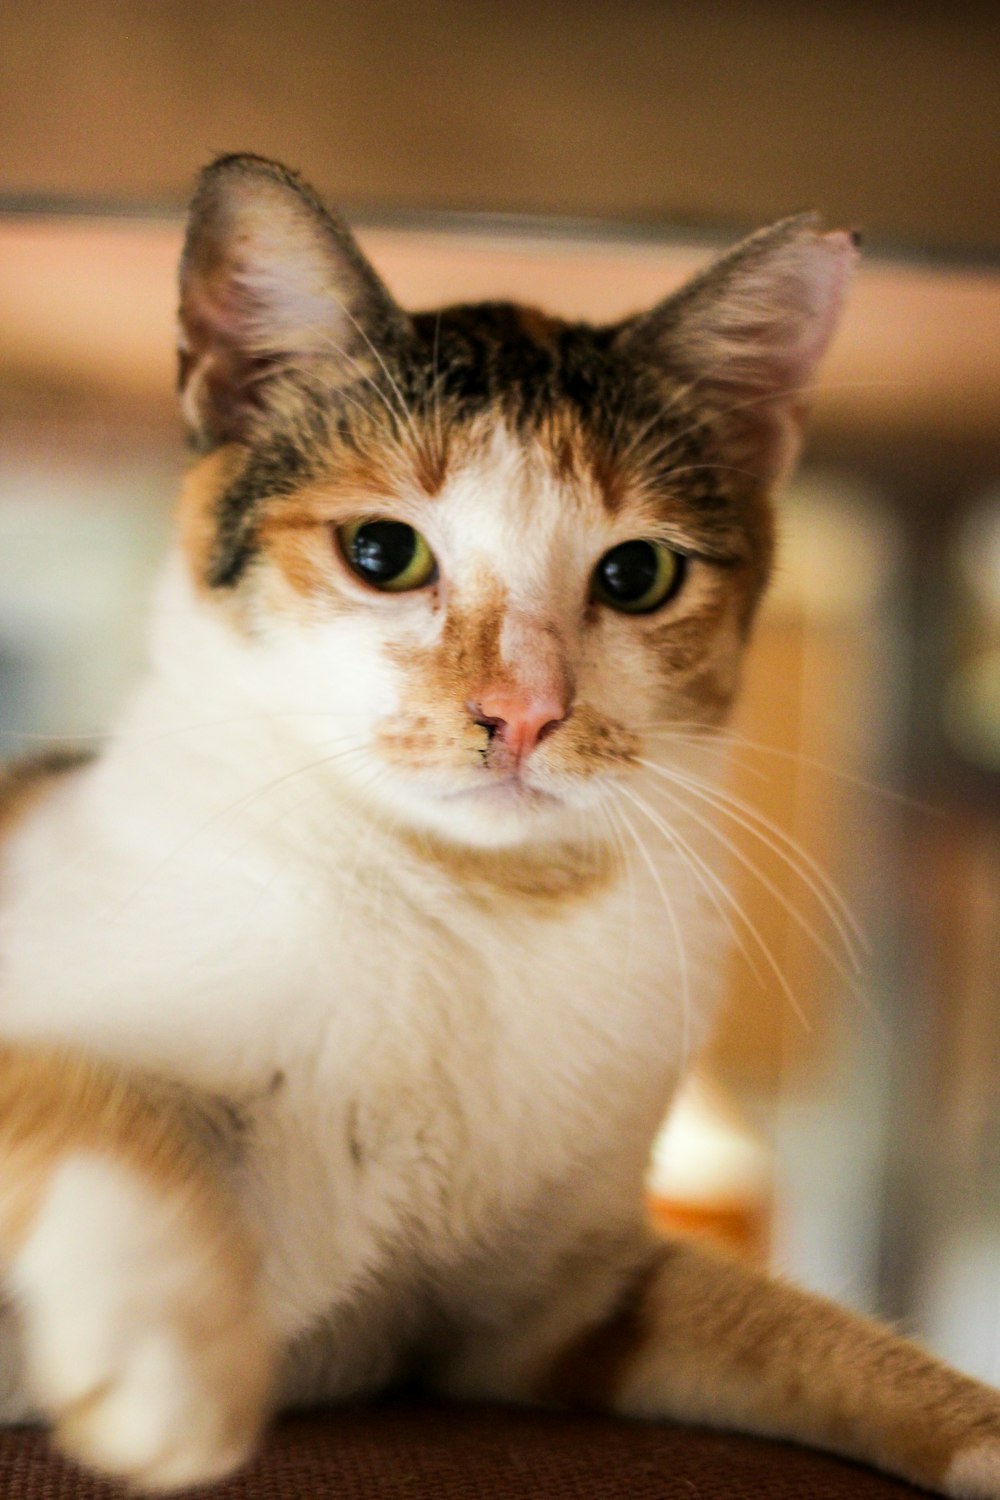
(389, 555)
(638, 577)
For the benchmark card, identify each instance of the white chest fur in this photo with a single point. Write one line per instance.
(428, 1057)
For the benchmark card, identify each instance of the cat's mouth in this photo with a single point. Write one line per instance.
(507, 789)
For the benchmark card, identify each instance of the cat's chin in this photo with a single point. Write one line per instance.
(506, 794)
(498, 813)
(499, 817)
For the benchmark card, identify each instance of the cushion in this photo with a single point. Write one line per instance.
(408, 1449)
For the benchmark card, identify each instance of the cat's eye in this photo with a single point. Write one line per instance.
(388, 555)
(638, 577)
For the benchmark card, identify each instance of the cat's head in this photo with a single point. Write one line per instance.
(483, 554)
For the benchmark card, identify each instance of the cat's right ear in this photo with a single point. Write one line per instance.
(271, 284)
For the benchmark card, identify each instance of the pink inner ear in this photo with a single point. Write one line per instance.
(269, 280)
(751, 334)
(773, 327)
(827, 270)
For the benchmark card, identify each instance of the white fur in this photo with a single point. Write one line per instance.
(109, 1286)
(219, 901)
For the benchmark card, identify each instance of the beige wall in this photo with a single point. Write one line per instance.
(711, 112)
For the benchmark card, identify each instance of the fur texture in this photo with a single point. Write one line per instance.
(342, 996)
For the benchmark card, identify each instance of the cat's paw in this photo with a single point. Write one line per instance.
(143, 1341)
(974, 1473)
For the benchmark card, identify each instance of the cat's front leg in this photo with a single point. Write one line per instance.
(134, 1283)
(688, 1335)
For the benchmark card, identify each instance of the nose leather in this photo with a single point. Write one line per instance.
(521, 719)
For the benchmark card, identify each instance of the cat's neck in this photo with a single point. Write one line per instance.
(550, 875)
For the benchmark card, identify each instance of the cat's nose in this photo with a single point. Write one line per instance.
(521, 720)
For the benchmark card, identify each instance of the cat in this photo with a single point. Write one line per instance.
(340, 996)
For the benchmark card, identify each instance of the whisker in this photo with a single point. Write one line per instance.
(239, 805)
(307, 373)
(678, 941)
(139, 740)
(436, 384)
(340, 353)
(608, 811)
(709, 743)
(404, 409)
(789, 851)
(772, 889)
(798, 757)
(713, 416)
(711, 883)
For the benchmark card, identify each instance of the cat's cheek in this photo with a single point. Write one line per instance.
(334, 670)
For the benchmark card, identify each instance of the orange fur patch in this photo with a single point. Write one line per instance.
(25, 783)
(467, 658)
(589, 741)
(548, 878)
(701, 1338)
(196, 508)
(579, 461)
(588, 1372)
(54, 1103)
(56, 1107)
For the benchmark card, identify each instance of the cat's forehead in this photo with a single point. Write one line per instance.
(508, 509)
(512, 436)
(547, 424)
(520, 360)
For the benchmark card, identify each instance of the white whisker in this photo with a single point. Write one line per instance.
(404, 410)
(708, 874)
(677, 938)
(608, 812)
(771, 887)
(789, 851)
(733, 738)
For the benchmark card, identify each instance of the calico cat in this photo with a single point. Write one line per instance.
(340, 997)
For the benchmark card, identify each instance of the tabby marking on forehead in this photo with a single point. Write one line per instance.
(554, 387)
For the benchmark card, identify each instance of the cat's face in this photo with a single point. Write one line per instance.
(485, 555)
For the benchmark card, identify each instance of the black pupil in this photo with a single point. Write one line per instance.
(383, 549)
(628, 571)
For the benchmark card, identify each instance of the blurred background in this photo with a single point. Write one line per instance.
(587, 157)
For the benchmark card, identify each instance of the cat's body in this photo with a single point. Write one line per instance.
(341, 997)
(420, 1108)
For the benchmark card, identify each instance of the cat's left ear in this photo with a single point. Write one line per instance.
(271, 282)
(747, 335)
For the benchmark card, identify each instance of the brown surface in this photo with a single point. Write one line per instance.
(411, 1450)
(881, 115)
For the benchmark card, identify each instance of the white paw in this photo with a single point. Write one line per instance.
(975, 1473)
(142, 1341)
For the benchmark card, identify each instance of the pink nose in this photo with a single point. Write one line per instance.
(520, 719)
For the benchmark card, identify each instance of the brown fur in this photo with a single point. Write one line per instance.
(23, 784)
(56, 1105)
(588, 1372)
(548, 880)
(468, 657)
(701, 1338)
(196, 509)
